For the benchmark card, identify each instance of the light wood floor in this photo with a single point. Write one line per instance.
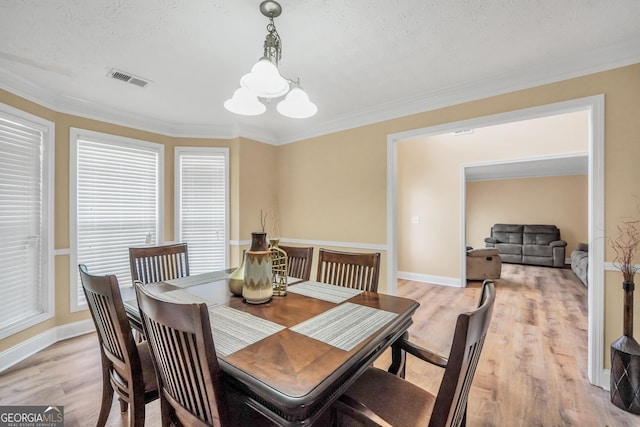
(532, 371)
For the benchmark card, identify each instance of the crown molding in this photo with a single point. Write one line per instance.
(577, 65)
(82, 108)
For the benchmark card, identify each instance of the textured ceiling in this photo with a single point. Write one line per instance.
(359, 61)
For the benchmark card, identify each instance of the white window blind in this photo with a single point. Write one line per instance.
(117, 203)
(25, 225)
(201, 206)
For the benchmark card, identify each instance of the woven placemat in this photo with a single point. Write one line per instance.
(345, 326)
(197, 279)
(234, 330)
(324, 291)
(181, 296)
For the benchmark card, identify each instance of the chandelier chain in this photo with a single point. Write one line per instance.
(264, 82)
(273, 43)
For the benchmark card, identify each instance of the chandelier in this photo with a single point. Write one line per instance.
(265, 81)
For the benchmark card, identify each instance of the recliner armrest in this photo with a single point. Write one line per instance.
(558, 243)
(482, 252)
(583, 247)
(490, 240)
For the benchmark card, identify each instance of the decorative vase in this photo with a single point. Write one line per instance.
(257, 288)
(625, 360)
(278, 268)
(236, 279)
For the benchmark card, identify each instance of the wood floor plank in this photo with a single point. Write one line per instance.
(532, 371)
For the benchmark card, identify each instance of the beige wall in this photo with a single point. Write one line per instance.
(558, 200)
(257, 191)
(429, 175)
(331, 164)
(334, 187)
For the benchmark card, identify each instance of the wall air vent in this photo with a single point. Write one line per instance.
(127, 77)
(463, 132)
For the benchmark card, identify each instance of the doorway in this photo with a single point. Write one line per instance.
(594, 105)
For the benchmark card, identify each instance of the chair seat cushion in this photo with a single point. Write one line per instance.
(537, 250)
(148, 371)
(397, 401)
(509, 249)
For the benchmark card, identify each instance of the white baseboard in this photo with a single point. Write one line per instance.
(605, 379)
(33, 345)
(426, 278)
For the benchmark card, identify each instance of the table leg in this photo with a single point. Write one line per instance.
(398, 358)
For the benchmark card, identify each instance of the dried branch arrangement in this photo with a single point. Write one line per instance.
(625, 245)
(263, 220)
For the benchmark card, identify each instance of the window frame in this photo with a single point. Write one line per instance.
(77, 134)
(47, 185)
(178, 151)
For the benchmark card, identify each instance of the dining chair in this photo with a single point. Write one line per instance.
(349, 269)
(157, 263)
(127, 368)
(405, 404)
(183, 352)
(299, 261)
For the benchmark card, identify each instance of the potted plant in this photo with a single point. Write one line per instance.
(625, 351)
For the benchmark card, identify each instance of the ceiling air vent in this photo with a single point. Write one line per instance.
(127, 77)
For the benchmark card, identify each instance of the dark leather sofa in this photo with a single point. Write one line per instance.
(580, 262)
(528, 244)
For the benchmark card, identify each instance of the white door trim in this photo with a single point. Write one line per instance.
(595, 106)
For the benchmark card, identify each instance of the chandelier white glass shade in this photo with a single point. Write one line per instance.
(296, 104)
(265, 80)
(245, 103)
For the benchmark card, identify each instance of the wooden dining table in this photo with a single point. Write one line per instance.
(289, 359)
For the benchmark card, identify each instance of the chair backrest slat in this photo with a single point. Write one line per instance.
(106, 323)
(107, 310)
(349, 269)
(184, 355)
(299, 261)
(468, 339)
(122, 359)
(158, 263)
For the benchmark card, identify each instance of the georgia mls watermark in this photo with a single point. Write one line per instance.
(31, 416)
